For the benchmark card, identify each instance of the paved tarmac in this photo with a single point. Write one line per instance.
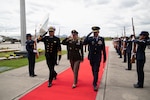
(117, 83)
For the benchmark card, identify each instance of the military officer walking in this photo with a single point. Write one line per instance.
(30, 54)
(96, 46)
(52, 47)
(75, 53)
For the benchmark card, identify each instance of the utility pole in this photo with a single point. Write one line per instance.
(23, 24)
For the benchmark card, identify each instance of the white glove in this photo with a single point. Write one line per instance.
(35, 51)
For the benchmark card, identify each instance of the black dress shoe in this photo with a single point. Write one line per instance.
(128, 69)
(34, 75)
(49, 84)
(95, 88)
(54, 78)
(137, 86)
(31, 75)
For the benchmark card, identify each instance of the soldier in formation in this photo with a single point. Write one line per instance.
(31, 53)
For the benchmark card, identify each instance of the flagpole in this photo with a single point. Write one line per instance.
(23, 24)
(133, 27)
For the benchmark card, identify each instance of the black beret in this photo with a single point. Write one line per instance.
(145, 33)
(28, 35)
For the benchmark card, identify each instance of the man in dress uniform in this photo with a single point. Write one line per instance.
(52, 47)
(96, 46)
(30, 54)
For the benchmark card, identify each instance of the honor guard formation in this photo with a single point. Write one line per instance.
(133, 50)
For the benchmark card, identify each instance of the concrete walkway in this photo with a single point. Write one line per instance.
(117, 83)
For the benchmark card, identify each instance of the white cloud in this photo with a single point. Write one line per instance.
(110, 15)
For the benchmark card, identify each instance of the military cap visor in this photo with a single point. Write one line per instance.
(74, 32)
(95, 28)
(95, 31)
(51, 29)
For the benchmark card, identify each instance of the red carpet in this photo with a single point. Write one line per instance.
(62, 86)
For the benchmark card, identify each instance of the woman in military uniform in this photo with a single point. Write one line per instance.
(52, 47)
(141, 43)
(75, 53)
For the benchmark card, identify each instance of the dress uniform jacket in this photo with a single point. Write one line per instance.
(75, 49)
(52, 46)
(96, 46)
(30, 47)
(129, 46)
(140, 53)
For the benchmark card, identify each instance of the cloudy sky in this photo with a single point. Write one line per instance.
(65, 15)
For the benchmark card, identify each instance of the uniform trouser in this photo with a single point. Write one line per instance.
(75, 68)
(51, 64)
(95, 69)
(140, 72)
(31, 60)
(119, 52)
(129, 59)
(125, 56)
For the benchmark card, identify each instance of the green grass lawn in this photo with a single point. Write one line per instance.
(16, 63)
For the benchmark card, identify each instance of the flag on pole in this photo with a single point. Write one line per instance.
(41, 31)
(43, 26)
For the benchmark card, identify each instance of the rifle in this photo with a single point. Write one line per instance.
(134, 45)
(124, 42)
